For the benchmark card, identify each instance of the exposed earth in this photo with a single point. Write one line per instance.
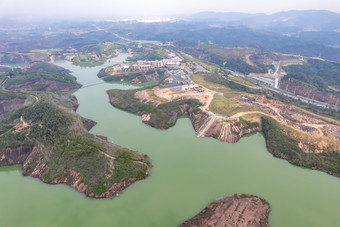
(233, 211)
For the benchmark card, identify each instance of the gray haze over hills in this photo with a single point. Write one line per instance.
(149, 8)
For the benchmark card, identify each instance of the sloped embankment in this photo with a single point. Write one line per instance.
(231, 132)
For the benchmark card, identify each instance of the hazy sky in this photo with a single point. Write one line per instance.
(145, 8)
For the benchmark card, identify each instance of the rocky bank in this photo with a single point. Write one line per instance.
(237, 210)
(208, 126)
(34, 166)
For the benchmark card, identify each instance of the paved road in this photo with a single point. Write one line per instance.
(304, 99)
(2, 84)
(291, 95)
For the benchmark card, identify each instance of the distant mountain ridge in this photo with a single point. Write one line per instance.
(302, 20)
(311, 33)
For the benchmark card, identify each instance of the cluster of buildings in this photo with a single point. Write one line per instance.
(172, 62)
(21, 126)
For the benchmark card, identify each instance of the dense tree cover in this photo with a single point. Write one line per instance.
(125, 100)
(238, 65)
(16, 78)
(235, 64)
(259, 58)
(6, 95)
(329, 38)
(280, 144)
(320, 74)
(232, 36)
(165, 115)
(40, 66)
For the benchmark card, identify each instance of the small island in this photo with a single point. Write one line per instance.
(232, 211)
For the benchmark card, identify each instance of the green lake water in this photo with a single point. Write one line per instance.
(187, 174)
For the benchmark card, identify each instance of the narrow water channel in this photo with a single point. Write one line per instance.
(187, 174)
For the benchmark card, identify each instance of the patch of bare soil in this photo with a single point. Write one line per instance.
(333, 130)
(249, 62)
(195, 91)
(286, 114)
(297, 115)
(334, 88)
(144, 97)
(212, 126)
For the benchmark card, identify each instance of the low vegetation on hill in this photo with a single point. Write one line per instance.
(282, 145)
(162, 116)
(62, 151)
(39, 76)
(154, 75)
(97, 54)
(40, 81)
(40, 66)
(152, 55)
(235, 63)
(318, 73)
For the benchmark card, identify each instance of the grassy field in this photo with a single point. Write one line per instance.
(226, 106)
(223, 103)
(45, 50)
(207, 66)
(241, 80)
(292, 63)
(152, 95)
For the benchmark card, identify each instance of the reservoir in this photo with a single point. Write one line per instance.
(187, 174)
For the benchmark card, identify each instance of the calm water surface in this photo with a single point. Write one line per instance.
(187, 174)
